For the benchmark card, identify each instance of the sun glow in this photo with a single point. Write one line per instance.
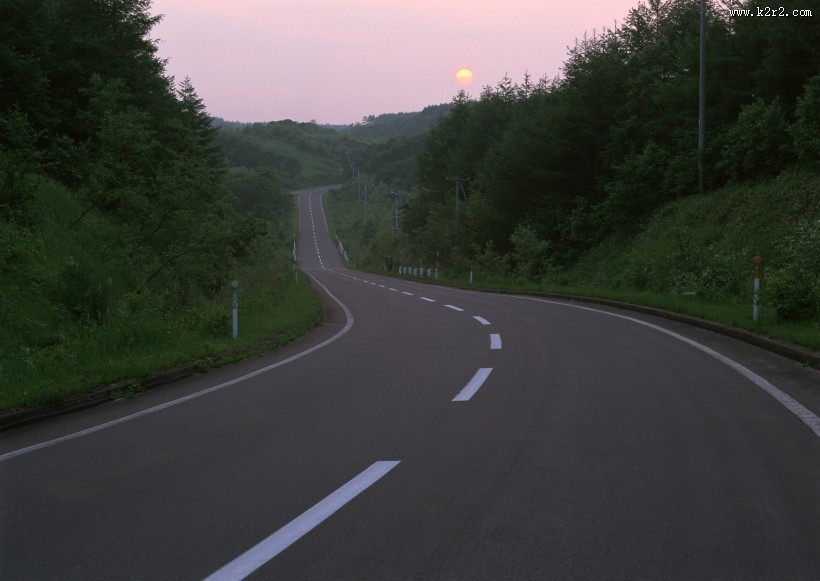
(464, 77)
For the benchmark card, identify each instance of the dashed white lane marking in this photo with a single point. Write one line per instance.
(428, 300)
(482, 320)
(495, 341)
(474, 385)
(392, 289)
(455, 308)
(407, 293)
(255, 557)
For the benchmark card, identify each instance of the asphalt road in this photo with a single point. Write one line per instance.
(430, 433)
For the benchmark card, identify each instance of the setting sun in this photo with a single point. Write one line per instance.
(464, 77)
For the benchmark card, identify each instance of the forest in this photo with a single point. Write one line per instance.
(529, 179)
(122, 223)
(126, 210)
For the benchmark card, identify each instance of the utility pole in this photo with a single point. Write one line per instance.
(459, 181)
(397, 196)
(702, 97)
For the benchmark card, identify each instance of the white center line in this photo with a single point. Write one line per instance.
(460, 310)
(255, 557)
(474, 385)
(482, 320)
(495, 341)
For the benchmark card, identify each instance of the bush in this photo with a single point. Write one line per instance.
(83, 292)
(758, 144)
(490, 263)
(530, 253)
(795, 289)
(806, 128)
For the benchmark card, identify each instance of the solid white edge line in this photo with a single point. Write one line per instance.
(157, 408)
(260, 554)
(804, 414)
(495, 341)
(474, 384)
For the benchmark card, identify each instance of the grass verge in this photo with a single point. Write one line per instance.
(133, 345)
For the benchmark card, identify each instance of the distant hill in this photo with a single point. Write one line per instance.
(299, 154)
(391, 125)
(306, 154)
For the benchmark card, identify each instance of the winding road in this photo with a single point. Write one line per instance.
(430, 433)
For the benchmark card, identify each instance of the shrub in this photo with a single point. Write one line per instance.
(83, 292)
(795, 288)
(806, 128)
(758, 144)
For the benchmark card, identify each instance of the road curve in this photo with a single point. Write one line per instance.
(430, 433)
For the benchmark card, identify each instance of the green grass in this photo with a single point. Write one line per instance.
(133, 346)
(693, 256)
(47, 354)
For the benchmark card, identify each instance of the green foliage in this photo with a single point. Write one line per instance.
(393, 125)
(806, 128)
(299, 154)
(118, 232)
(758, 144)
(84, 292)
(530, 254)
(577, 165)
(490, 263)
(19, 158)
(795, 286)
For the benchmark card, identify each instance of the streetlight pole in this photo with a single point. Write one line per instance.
(702, 97)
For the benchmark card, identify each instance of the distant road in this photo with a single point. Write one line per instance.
(429, 433)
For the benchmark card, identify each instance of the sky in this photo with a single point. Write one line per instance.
(337, 61)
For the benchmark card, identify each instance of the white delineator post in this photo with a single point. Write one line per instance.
(235, 306)
(757, 261)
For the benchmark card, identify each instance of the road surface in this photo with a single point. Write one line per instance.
(430, 433)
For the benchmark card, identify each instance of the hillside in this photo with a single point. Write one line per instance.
(549, 183)
(121, 226)
(298, 155)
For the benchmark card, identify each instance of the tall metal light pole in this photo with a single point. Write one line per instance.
(702, 96)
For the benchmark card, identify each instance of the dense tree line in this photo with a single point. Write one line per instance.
(86, 103)
(557, 165)
(391, 125)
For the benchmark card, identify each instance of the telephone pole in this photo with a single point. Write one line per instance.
(702, 97)
(459, 181)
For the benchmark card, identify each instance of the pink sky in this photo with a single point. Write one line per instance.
(335, 61)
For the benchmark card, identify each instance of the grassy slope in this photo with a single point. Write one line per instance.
(692, 256)
(46, 355)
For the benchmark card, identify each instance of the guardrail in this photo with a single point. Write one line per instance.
(419, 271)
